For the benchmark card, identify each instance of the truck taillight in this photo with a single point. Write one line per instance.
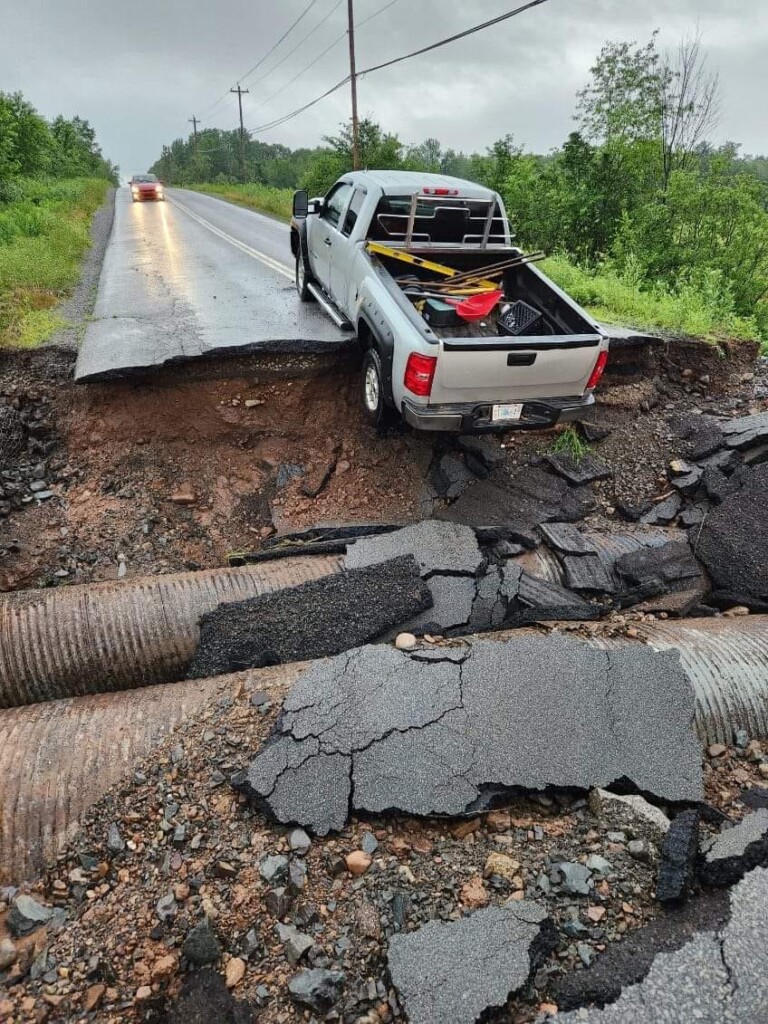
(440, 191)
(597, 373)
(419, 374)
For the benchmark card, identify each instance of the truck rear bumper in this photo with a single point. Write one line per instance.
(473, 418)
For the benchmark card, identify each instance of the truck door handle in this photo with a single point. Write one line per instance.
(328, 241)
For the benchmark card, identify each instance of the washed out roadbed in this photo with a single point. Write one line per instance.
(173, 847)
(180, 470)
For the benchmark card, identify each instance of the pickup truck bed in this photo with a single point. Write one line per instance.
(471, 376)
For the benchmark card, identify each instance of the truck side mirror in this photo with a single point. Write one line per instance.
(300, 203)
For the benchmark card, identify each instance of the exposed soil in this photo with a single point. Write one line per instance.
(179, 470)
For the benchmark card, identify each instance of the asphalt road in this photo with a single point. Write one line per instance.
(190, 277)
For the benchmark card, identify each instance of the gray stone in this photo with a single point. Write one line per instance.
(599, 864)
(318, 990)
(632, 815)
(737, 850)
(575, 878)
(641, 850)
(297, 876)
(437, 547)
(718, 977)
(115, 842)
(369, 843)
(25, 915)
(201, 946)
(299, 842)
(451, 973)
(278, 902)
(295, 943)
(566, 539)
(274, 870)
(167, 908)
(8, 954)
(427, 736)
(314, 620)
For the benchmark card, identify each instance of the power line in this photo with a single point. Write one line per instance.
(377, 13)
(295, 113)
(443, 42)
(300, 43)
(285, 35)
(454, 38)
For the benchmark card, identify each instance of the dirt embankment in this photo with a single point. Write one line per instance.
(177, 471)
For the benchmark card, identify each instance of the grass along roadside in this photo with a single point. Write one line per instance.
(44, 235)
(275, 202)
(700, 309)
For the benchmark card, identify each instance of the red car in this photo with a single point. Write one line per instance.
(146, 186)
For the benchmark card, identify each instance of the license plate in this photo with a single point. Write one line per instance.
(502, 413)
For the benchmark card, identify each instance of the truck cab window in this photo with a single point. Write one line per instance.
(355, 206)
(336, 203)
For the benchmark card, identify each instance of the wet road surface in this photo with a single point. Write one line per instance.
(195, 276)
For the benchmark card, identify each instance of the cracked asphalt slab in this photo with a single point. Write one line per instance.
(313, 620)
(719, 977)
(378, 730)
(191, 277)
(451, 973)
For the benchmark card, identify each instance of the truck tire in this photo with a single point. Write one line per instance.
(302, 279)
(377, 405)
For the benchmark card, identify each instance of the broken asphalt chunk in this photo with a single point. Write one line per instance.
(450, 477)
(542, 601)
(377, 730)
(579, 471)
(587, 572)
(566, 539)
(737, 850)
(438, 547)
(717, 976)
(733, 545)
(679, 851)
(204, 998)
(314, 620)
(663, 513)
(651, 571)
(451, 973)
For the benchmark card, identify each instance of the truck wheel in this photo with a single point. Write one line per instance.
(378, 412)
(302, 280)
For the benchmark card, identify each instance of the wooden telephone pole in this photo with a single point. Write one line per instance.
(353, 79)
(240, 93)
(193, 121)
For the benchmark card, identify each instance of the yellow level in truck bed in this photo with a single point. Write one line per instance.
(416, 261)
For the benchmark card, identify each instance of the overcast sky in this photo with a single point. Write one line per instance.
(137, 70)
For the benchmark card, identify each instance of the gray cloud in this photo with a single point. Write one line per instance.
(137, 70)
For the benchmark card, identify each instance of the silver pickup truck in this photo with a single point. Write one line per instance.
(367, 253)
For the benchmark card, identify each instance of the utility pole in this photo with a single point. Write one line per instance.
(240, 92)
(193, 121)
(353, 79)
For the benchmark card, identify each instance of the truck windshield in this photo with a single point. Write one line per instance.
(446, 221)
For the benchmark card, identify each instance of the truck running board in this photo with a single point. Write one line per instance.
(338, 317)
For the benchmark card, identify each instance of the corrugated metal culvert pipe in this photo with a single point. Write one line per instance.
(105, 637)
(57, 759)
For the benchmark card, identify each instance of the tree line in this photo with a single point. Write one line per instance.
(637, 189)
(31, 146)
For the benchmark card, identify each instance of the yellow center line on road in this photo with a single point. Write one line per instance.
(280, 268)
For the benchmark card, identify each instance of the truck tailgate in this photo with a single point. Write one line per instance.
(470, 369)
